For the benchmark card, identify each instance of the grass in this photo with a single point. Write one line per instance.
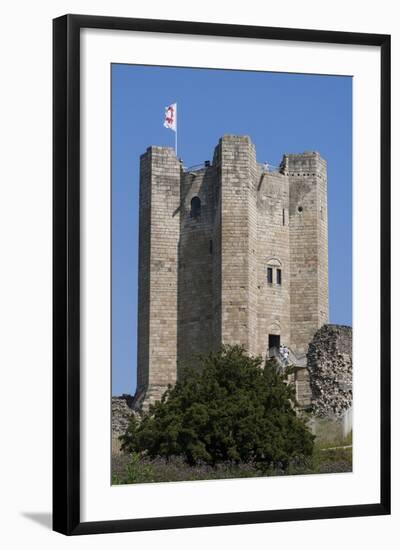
(134, 468)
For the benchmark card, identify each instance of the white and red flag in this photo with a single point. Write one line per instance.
(170, 122)
(170, 117)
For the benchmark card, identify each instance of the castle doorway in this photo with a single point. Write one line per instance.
(274, 341)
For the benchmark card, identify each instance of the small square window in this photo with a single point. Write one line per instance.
(269, 275)
(278, 276)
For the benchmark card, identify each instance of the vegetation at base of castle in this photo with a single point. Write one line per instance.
(230, 414)
(136, 468)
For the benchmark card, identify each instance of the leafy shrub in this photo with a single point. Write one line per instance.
(230, 410)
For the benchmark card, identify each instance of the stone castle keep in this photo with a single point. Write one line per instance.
(229, 253)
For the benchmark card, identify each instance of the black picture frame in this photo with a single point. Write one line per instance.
(66, 273)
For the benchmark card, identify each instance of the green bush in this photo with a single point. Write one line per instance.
(229, 410)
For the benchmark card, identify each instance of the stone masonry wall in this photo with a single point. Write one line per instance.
(216, 253)
(158, 272)
(329, 362)
(203, 279)
(322, 213)
(143, 335)
(121, 413)
(273, 252)
(238, 242)
(195, 258)
(308, 249)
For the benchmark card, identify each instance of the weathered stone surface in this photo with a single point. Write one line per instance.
(121, 413)
(159, 201)
(329, 361)
(203, 276)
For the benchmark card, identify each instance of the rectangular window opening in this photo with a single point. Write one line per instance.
(283, 217)
(278, 276)
(269, 275)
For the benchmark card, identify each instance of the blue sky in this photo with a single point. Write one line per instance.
(282, 113)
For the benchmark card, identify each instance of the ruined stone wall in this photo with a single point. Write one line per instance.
(121, 413)
(329, 361)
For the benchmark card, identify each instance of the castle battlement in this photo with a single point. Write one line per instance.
(229, 253)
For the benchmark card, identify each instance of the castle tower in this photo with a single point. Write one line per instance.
(237, 169)
(309, 301)
(195, 259)
(273, 262)
(229, 253)
(160, 175)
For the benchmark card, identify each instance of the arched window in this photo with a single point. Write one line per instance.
(274, 271)
(195, 207)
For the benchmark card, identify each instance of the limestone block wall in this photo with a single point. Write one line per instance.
(273, 251)
(253, 291)
(322, 213)
(158, 271)
(308, 250)
(303, 389)
(238, 242)
(216, 253)
(195, 260)
(143, 330)
(203, 278)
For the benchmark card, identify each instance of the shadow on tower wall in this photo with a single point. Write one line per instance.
(198, 267)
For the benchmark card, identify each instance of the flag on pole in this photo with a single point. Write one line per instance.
(170, 117)
(170, 122)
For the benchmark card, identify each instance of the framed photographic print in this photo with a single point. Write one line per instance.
(221, 274)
